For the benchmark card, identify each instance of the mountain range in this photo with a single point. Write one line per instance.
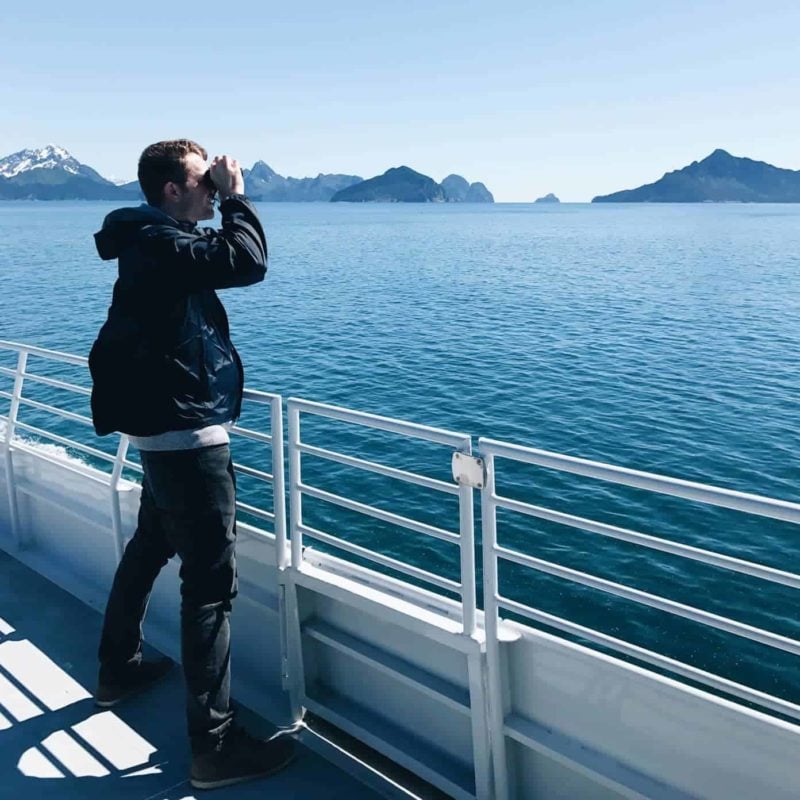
(718, 178)
(51, 173)
(263, 183)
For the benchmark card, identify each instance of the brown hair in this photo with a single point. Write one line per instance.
(161, 163)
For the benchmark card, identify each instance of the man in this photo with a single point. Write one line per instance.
(165, 372)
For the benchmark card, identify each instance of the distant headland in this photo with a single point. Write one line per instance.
(51, 173)
(718, 178)
(404, 185)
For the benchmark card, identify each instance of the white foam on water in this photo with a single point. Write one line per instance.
(52, 451)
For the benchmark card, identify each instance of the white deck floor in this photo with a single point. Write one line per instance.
(55, 743)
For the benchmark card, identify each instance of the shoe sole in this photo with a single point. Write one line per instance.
(198, 784)
(133, 692)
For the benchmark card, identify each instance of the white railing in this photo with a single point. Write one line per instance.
(464, 539)
(274, 439)
(119, 460)
(494, 600)
(490, 724)
(13, 423)
(471, 648)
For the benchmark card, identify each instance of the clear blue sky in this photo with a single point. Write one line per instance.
(574, 97)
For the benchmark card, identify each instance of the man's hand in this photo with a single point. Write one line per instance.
(227, 176)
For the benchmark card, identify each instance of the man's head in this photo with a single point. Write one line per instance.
(171, 175)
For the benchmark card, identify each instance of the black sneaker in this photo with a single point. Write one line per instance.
(139, 679)
(240, 757)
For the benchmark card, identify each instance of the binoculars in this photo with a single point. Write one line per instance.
(208, 183)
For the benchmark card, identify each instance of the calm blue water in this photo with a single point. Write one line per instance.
(663, 338)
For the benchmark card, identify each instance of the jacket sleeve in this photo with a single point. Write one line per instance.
(235, 255)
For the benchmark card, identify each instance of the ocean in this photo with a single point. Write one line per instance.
(663, 338)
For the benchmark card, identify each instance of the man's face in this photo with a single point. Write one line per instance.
(195, 199)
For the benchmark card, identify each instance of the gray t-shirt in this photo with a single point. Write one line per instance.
(184, 440)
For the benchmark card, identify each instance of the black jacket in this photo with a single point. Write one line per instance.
(164, 360)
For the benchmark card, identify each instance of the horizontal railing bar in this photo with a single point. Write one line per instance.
(12, 373)
(40, 351)
(132, 465)
(652, 542)
(253, 473)
(256, 512)
(72, 387)
(654, 601)
(438, 435)
(386, 561)
(257, 396)
(57, 411)
(65, 441)
(252, 530)
(255, 435)
(6, 395)
(371, 466)
(656, 659)
(377, 513)
(688, 490)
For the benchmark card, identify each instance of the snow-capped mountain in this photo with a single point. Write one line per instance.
(50, 157)
(51, 173)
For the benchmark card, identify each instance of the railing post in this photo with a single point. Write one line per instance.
(481, 750)
(116, 515)
(290, 617)
(13, 412)
(496, 701)
(467, 532)
(278, 486)
(285, 589)
(295, 496)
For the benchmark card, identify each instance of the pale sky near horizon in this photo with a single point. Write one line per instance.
(578, 98)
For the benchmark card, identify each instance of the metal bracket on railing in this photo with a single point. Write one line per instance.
(469, 470)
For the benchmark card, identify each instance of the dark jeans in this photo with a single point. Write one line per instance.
(188, 507)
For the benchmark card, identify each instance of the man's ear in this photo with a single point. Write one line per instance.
(171, 191)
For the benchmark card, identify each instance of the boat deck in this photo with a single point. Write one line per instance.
(55, 743)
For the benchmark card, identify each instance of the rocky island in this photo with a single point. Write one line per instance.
(548, 198)
(405, 185)
(718, 178)
(396, 185)
(459, 190)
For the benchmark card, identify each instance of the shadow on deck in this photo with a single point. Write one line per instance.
(54, 742)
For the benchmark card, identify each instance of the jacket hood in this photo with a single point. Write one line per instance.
(121, 226)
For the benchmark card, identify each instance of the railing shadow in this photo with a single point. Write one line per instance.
(54, 742)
